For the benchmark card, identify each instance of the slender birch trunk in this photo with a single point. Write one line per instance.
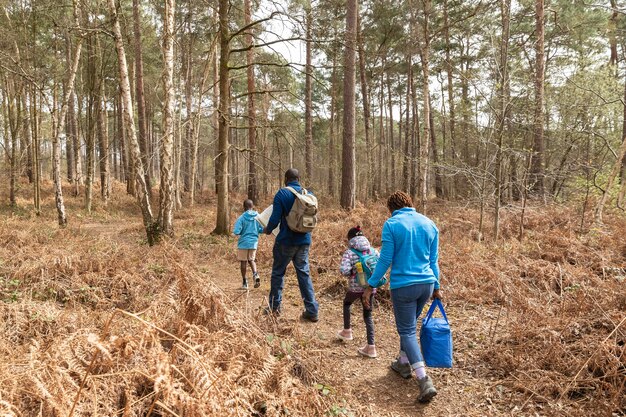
(222, 226)
(141, 190)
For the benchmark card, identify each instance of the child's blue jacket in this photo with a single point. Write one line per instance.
(248, 230)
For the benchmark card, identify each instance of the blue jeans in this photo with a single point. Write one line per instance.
(299, 255)
(408, 303)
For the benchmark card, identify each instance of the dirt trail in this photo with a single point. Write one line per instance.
(349, 375)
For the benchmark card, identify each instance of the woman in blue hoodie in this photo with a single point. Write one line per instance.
(410, 246)
(248, 229)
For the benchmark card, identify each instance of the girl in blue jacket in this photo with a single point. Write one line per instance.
(248, 229)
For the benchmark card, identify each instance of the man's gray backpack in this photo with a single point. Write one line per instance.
(302, 217)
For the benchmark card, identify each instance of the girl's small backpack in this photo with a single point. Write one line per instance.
(367, 263)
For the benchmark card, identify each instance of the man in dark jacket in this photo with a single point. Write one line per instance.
(289, 247)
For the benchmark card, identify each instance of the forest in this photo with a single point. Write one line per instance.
(132, 130)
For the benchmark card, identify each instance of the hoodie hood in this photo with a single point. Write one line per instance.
(360, 243)
(250, 214)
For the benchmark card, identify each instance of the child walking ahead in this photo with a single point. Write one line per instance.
(248, 229)
(357, 244)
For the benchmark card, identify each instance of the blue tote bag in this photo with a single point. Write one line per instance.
(436, 338)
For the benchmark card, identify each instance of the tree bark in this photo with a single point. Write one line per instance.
(406, 169)
(348, 170)
(141, 190)
(390, 179)
(103, 142)
(435, 153)
(308, 97)
(253, 192)
(366, 109)
(166, 191)
(332, 133)
(140, 96)
(59, 125)
(538, 169)
(423, 41)
(222, 226)
(450, 90)
(502, 94)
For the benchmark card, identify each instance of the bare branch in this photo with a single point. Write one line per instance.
(256, 22)
(259, 45)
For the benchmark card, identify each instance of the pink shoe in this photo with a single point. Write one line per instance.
(345, 335)
(369, 351)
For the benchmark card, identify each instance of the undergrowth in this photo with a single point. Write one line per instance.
(95, 322)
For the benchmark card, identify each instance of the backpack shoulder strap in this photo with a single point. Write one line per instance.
(293, 190)
(358, 253)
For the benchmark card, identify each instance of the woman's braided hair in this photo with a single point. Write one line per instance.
(399, 200)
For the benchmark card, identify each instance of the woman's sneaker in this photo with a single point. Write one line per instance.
(403, 369)
(427, 389)
(257, 280)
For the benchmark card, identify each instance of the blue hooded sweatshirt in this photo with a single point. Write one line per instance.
(411, 247)
(248, 230)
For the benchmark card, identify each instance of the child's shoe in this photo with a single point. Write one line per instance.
(345, 335)
(244, 286)
(257, 280)
(368, 351)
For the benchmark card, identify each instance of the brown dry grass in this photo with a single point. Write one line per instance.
(95, 321)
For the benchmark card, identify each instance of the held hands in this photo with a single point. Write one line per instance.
(267, 231)
(367, 294)
(436, 295)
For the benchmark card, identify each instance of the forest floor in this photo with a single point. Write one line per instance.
(95, 322)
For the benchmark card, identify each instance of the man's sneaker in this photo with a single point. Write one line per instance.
(427, 389)
(403, 369)
(310, 317)
(244, 286)
(257, 280)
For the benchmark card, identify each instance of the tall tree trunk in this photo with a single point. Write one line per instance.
(613, 22)
(450, 90)
(391, 149)
(27, 138)
(435, 153)
(406, 169)
(308, 97)
(135, 152)
(348, 169)
(366, 109)
(103, 142)
(332, 133)
(423, 41)
(59, 125)
(622, 192)
(166, 190)
(216, 114)
(14, 105)
(77, 178)
(502, 93)
(222, 226)
(93, 113)
(415, 140)
(187, 66)
(69, 127)
(538, 169)
(196, 128)
(253, 192)
(121, 134)
(140, 96)
(34, 115)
